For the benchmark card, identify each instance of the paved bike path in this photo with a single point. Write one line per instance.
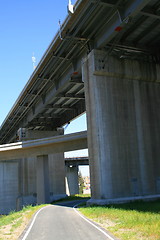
(62, 223)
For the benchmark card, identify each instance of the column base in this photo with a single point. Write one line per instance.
(56, 197)
(122, 200)
(22, 201)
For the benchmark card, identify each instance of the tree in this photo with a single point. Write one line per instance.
(80, 182)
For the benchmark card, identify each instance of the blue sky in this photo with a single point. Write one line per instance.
(27, 27)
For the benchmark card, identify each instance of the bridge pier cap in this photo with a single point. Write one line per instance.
(122, 105)
(24, 134)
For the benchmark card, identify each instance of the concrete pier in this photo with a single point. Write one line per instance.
(39, 180)
(8, 186)
(57, 176)
(27, 182)
(21, 156)
(50, 170)
(123, 118)
(43, 192)
(72, 187)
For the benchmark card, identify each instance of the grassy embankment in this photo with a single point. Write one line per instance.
(12, 225)
(133, 221)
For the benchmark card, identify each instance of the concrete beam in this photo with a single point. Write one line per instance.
(131, 9)
(44, 146)
(150, 12)
(76, 161)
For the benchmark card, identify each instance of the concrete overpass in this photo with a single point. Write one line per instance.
(46, 157)
(72, 167)
(73, 161)
(104, 60)
(44, 146)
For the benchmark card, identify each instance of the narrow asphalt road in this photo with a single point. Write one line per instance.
(62, 223)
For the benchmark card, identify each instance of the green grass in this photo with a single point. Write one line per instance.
(131, 221)
(7, 219)
(12, 225)
(139, 220)
(12, 216)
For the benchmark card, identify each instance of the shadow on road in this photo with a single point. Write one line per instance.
(71, 201)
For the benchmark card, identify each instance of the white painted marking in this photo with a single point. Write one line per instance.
(107, 235)
(33, 221)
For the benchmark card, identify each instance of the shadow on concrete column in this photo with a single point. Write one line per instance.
(122, 105)
(43, 192)
(72, 187)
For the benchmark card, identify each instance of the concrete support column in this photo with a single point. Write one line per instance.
(123, 118)
(9, 186)
(72, 186)
(43, 192)
(57, 176)
(56, 168)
